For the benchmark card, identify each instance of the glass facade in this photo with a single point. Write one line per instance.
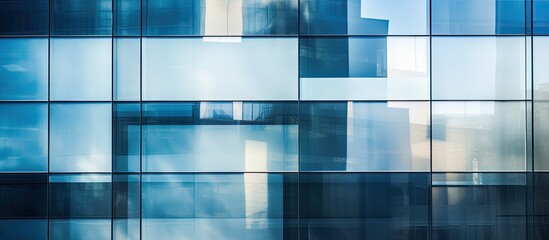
(274, 119)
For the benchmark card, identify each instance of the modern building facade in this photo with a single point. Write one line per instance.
(274, 119)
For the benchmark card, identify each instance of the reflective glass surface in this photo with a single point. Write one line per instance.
(541, 135)
(81, 17)
(23, 17)
(127, 17)
(541, 72)
(126, 211)
(24, 69)
(126, 136)
(126, 69)
(540, 16)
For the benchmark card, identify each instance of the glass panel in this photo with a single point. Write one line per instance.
(364, 136)
(127, 17)
(541, 16)
(126, 69)
(80, 137)
(479, 206)
(364, 206)
(126, 204)
(23, 68)
(80, 206)
(23, 137)
(80, 69)
(224, 137)
(364, 17)
(214, 69)
(479, 136)
(541, 135)
(541, 71)
(495, 66)
(541, 205)
(23, 17)
(358, 68)
(219, 17)
(220, 206)
(81, 17)
(471, 17)
(126, 137)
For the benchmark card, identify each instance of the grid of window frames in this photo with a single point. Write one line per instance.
(274, 119)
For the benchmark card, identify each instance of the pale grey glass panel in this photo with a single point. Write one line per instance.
(24, 69)
(220, 68)
(541, 71)
(80, 137)
(80, 69)
(541, 135)
(127, 72)
(478, 68)
(479, 136)
(23, 137)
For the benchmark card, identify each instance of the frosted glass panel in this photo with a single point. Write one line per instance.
(80, 139)
(479, 136)
(24, 69)
(476, 68)
(127, 72)
(220, 69)
(80, 69)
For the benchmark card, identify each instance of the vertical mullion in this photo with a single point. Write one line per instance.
(430, 182)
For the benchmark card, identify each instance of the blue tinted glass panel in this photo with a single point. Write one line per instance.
(80, 137)
(81, 17)
(541, 208)
(364, 136)
(23, 17)
(541, 16)
(364, 206)
(127, 17)
(219, 69)
(24, 69)
(126, 137)
(479, 206)
(23, 137)
(126, 202)
(224, 137)
(24, 229)
(221, 206)
(80, 69)
(126, 71)
(470, 17)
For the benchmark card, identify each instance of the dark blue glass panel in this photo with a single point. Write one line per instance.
(541, 17)
(127, 17)
(81, 17)
(24, 69)
(479, 206)
(541, 205)
(364, 206)
(126, 206)
(23, 17)
(126, 136)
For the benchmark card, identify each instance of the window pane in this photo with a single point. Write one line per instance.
(80, 138)
(541, 135)
(541, 71)
(470, 17)
(23, 137)
(359, 68)
(541, 208)
(80, 206)
(225, 137)
(364, 206)
(24, 68)
(364, 136)
(541, 16)
(126, 206)
(479, 136)
(126, 69)
(220, 206)
(126, 137)
(479, 205)
(80, 69)
(220, 69)
(495, 66)
(23, 17)
(359, 17)
(127, 17)
(81, 17)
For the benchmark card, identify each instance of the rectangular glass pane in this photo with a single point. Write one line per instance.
(80, 69)
(479, 206)
(126, 69)
(541, 16)
(80, 137)
(23, 137)
(364, 136)
(541, 71)
(472, 17)
(495, 66)
(81, 17)
(364, 206)
(126, 210)
(23, 68)
(541, 135)
(23, 17)
(220, 137)
(220, 206)
(364, 68)
(220, 69)
(126, 137)
(364, 17)
(479, 136)
(541, 205)
(127, 17)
